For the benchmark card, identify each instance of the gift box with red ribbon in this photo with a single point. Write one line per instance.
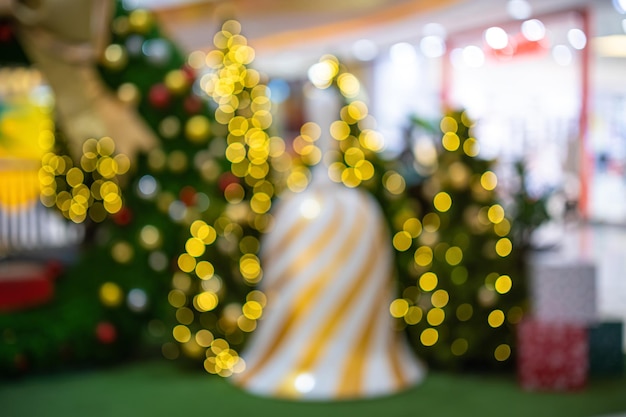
(552, 356)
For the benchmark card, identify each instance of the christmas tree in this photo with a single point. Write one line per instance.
(113, 299)
(468, 290)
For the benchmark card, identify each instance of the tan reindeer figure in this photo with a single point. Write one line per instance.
(328, 266)
(64, 39)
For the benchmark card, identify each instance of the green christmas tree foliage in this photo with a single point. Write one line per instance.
(113, 301)
(468, 290)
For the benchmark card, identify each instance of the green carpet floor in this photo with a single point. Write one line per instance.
(159, 388)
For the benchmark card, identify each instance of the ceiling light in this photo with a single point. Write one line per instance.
(577, 38)
(364, 50)
(496, 38)
(519, 9)
(533, 30)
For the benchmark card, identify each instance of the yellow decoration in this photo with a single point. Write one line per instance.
(198, 129)
(111, 294)
(177, 82)
(140, 20)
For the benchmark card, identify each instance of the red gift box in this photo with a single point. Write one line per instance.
(26, 284)
(552, 356)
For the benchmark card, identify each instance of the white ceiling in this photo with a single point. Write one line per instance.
(290, 35)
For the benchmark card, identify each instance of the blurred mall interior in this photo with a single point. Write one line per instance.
(543, 79)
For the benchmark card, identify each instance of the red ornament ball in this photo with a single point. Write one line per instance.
(190, 73)
(106, 333)
(123, 217)
(188, 195)
(226, 179)
(192, 104)
(159, 96)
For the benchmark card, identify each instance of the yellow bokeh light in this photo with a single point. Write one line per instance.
(428, 281)
(372, 140)
(464, 312)
(150, 237)
(74, 177)
(440, 298)
(111, 294)
(471, 147)
(348, 85)
(186, 262)
(450, 141)
(489, 180)
(503, 284)
(435, 316)
(399, 307)
(339, 130)
(502, 352)
(177, 298)
(442, 201)
(413, 315)
(181, 333)
(394, 182)
(413, 227)
(122, 252)
(205, 270)
(252, 310)
(206, 301)
(260, 203)
(495, 214)
(245, 324)
(184, 315)
(459, 347)
(448, 124)
(496, 318)
(402, 241)
(311, 131)
(504, 247)
(350, 177)
(357, 110)
(236, 152)
(431, 222)
(515, 314)
(502, 228)
(195, 247)
(454, 255)
(429, 337)
(204, 338)
(423, 256)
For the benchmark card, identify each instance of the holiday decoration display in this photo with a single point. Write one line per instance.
(563, 291)
(178, 215)
(135, 201)
(552, 356)
(606, 356)
(465, 290)
(326, 330)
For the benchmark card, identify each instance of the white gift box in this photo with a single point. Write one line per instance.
(563, 290)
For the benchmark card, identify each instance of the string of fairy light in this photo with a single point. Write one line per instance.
(244, 106)
(261, 167)
(90, 189)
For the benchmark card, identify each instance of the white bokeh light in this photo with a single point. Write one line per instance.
(533, 30)
(304, 383)
(403, 53)
(364, 50)
(433, 46)
(473, 56)
(519, 9)
(310, 208)
(577, 38)
(496, 37)
(562, 55)
(620, 6)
